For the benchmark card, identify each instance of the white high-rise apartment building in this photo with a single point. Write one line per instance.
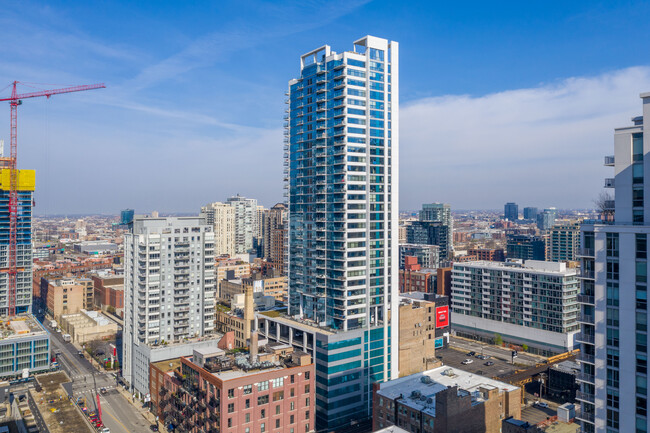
(169, 287)
(245, 223)
(222, 217)
(532, 303)
(614, 308)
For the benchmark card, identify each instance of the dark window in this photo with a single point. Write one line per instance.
(641, 246)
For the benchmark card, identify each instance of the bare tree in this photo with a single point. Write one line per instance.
(604, 204)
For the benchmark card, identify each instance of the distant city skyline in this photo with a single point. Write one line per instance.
(498, 103)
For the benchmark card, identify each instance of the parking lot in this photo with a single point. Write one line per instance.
(454, 358)
(534, 414)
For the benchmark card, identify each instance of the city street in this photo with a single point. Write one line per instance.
(118, 414)
(494, 351)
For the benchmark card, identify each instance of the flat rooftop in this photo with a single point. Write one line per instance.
(419, 390)
(168, 365)
(556, 268)
(570, 367)
(58, 414)
(20, 326)
(304, 324)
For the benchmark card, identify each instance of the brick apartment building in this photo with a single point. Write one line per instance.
(443, 281)
(273, 391)
(109, 291)
(414, 279)
(66, 295)
(487, 254)
(445, 400)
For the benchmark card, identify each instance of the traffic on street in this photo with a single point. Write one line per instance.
(87, 382)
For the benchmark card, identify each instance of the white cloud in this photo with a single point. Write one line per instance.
(541, 146)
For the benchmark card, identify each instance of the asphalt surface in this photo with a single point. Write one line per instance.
(454, 358)
(502, 353)
(118, 414)
(535, 415)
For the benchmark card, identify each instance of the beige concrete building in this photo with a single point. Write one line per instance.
(87, 326)
(89, 292)
(239, 321)
(276, 287)
(222, 217)
(230, 288)
(417, 336)
(231, 269)
(64, 296)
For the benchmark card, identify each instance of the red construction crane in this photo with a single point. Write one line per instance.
(14, 101)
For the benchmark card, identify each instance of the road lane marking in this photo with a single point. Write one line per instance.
(111, 415)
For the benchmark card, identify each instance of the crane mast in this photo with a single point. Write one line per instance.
(10, 163)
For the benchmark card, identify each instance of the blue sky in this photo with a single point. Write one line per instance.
(500, 102)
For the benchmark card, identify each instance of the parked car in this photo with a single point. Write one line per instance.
(541, 404)
(489, 363)
(467, 361)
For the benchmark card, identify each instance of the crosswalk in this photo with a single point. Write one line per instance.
(81, 376)
(90, 392)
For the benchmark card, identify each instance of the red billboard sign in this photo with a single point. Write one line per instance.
(442, 316)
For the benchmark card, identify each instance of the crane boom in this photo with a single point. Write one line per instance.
(11, 163)
(48, 93)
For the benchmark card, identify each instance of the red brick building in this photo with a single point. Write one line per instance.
(271, 392)
(443, 282)
(109, 291)
(413, 279)
(487, 254)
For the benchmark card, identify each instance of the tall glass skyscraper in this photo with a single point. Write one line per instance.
(342, 180)
(343, 185)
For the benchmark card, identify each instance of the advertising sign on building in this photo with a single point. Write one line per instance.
(442, 316)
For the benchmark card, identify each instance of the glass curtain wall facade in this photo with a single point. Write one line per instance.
(343, 185)
(342, 188)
